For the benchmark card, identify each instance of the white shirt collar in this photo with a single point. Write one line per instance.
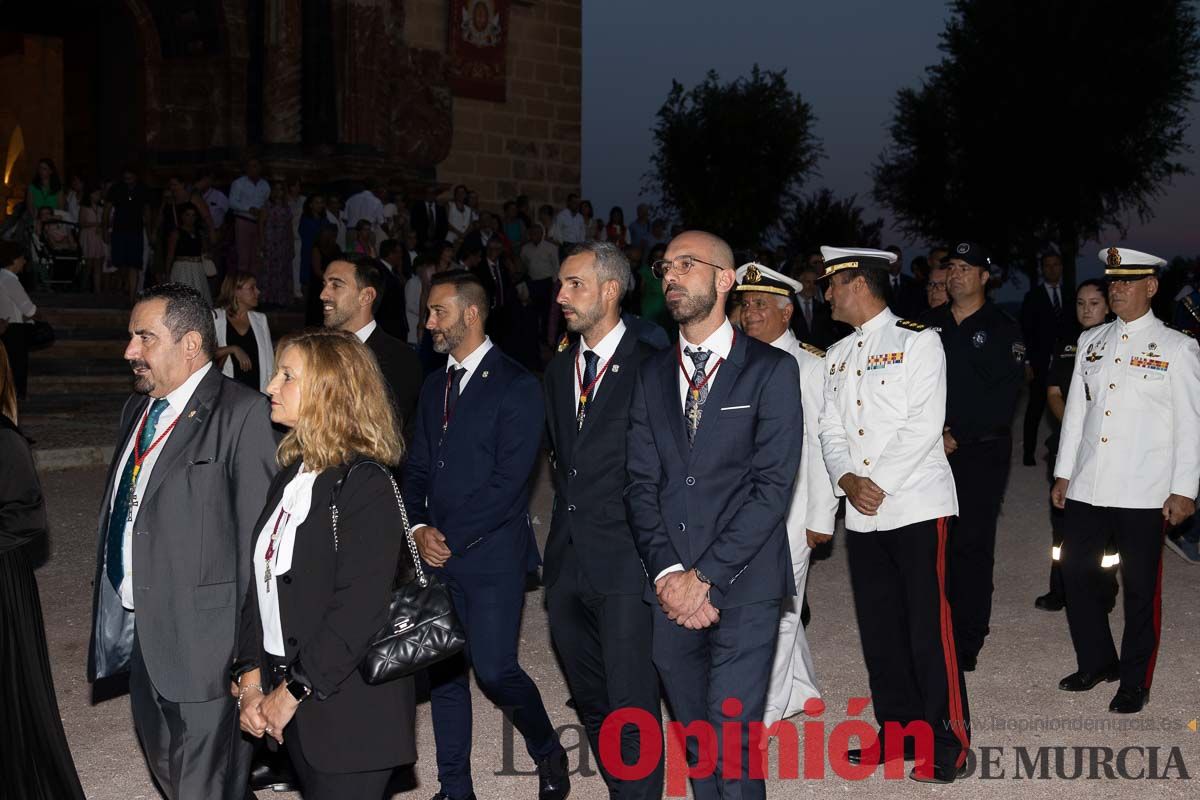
(471, 362)
(182, 395)
(607, 346)
(784, 342)
(876, 322)
(719, 341)
(365, 331)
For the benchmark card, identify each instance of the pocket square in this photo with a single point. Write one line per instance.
(733, 408)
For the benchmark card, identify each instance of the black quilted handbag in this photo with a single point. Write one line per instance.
(421, 628)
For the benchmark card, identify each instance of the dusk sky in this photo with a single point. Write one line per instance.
(847, 58)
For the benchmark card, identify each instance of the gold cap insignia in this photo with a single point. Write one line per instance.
(1114, 257)
(752, 274)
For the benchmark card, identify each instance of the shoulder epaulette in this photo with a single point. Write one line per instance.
(911, 325)
(812, 348)
(1184, 331)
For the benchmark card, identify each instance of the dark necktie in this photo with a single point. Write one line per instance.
(589, 375)
(694, 405)
(808, 313)
(1054, 300)
(494, 266)
(122, 510)
(456, 376)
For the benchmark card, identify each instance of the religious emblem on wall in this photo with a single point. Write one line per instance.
(478, 33)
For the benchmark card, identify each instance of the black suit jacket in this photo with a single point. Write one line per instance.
(909, 302)
(1042, 329)
(419, 219)
(401, 370)
(588, 467)
(391, 314)
(719, 505)
(331, 602)
(822, 332)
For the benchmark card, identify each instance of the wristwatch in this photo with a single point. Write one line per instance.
(298, 690)
(701, 576)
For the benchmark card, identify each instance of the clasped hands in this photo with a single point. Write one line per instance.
(684, 599)
(263, 713)
(862, 493)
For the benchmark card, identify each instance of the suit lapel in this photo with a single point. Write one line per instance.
(610, 383)
(564, 405)
(191, 421)
(672, 407)
(718, 392)
(273, 495)
(478, 379)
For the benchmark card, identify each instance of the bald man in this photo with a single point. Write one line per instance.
(713, 448)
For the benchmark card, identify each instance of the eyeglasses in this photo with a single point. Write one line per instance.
(680, 266)
(936, 285)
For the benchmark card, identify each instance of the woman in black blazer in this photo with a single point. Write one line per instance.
(315, 601)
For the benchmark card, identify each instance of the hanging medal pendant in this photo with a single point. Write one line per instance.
(581, 414)
(267, 577)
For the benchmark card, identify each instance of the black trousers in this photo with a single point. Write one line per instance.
(1138, 533)
(980, 475)
(899, 583)
(604, 642)
(1035, 408)
(317, 785)
(16, 344)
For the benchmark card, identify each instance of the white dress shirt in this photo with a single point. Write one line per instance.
(245, 195)
(605, 349)
(814, 505)
(218, 205)
(720, 342)
(882, 418)
(21, 307)
(365, 205)
(365, 331)
(176, 402)
(289, 514)
(568, 227)
(457, 221)
(1132, 423)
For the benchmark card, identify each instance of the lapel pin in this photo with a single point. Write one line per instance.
(485, 373)
(191, 413)
(616, 368)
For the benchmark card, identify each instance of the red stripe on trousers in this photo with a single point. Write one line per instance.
(948, 651)
(1157, 615)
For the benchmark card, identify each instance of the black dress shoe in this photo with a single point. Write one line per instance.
(967, 662)
(1050, 602)
(444, 796)
(941, 773)
(268, 774)
(1129, 701)
(1086, 681)
(554, 782)
(855, 756)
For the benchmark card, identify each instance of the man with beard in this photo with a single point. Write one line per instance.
(194, 461)
(352, 293)
(881, 438)
(767, 308)
(594, 579)
(714, 440)
(985, 367)
(466, 486)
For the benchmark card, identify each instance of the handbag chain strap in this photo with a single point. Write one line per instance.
(408, 534)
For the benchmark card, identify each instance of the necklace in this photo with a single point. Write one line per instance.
(585, 392)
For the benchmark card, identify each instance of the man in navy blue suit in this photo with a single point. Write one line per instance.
(466, 485)
(715, 430)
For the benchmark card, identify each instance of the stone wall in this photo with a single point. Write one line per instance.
(531, 143)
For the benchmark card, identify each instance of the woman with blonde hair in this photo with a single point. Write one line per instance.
(244, 350)
(320, 591)
(35, 761)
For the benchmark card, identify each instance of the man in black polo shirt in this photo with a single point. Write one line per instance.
(984, 371)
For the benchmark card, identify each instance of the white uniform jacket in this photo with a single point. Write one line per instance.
(1131, 431)
(885, 407)
(814, 505)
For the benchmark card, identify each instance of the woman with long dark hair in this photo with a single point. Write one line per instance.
(46, 189)
(35, 761)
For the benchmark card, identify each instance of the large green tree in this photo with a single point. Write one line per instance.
(823, 219)
(729, 157)
(1047, 122)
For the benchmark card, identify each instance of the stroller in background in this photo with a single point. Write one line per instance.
(57, 256)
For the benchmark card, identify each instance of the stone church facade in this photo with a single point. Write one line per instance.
(327, 90)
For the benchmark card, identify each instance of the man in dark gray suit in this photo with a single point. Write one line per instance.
(192, 467)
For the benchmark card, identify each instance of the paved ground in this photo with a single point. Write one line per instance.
(1013, 695)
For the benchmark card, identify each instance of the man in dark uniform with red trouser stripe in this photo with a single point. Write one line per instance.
(881, 439)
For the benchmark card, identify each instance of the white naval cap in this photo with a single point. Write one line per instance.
(1123, 264)
(755, 277)
(840, 258)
